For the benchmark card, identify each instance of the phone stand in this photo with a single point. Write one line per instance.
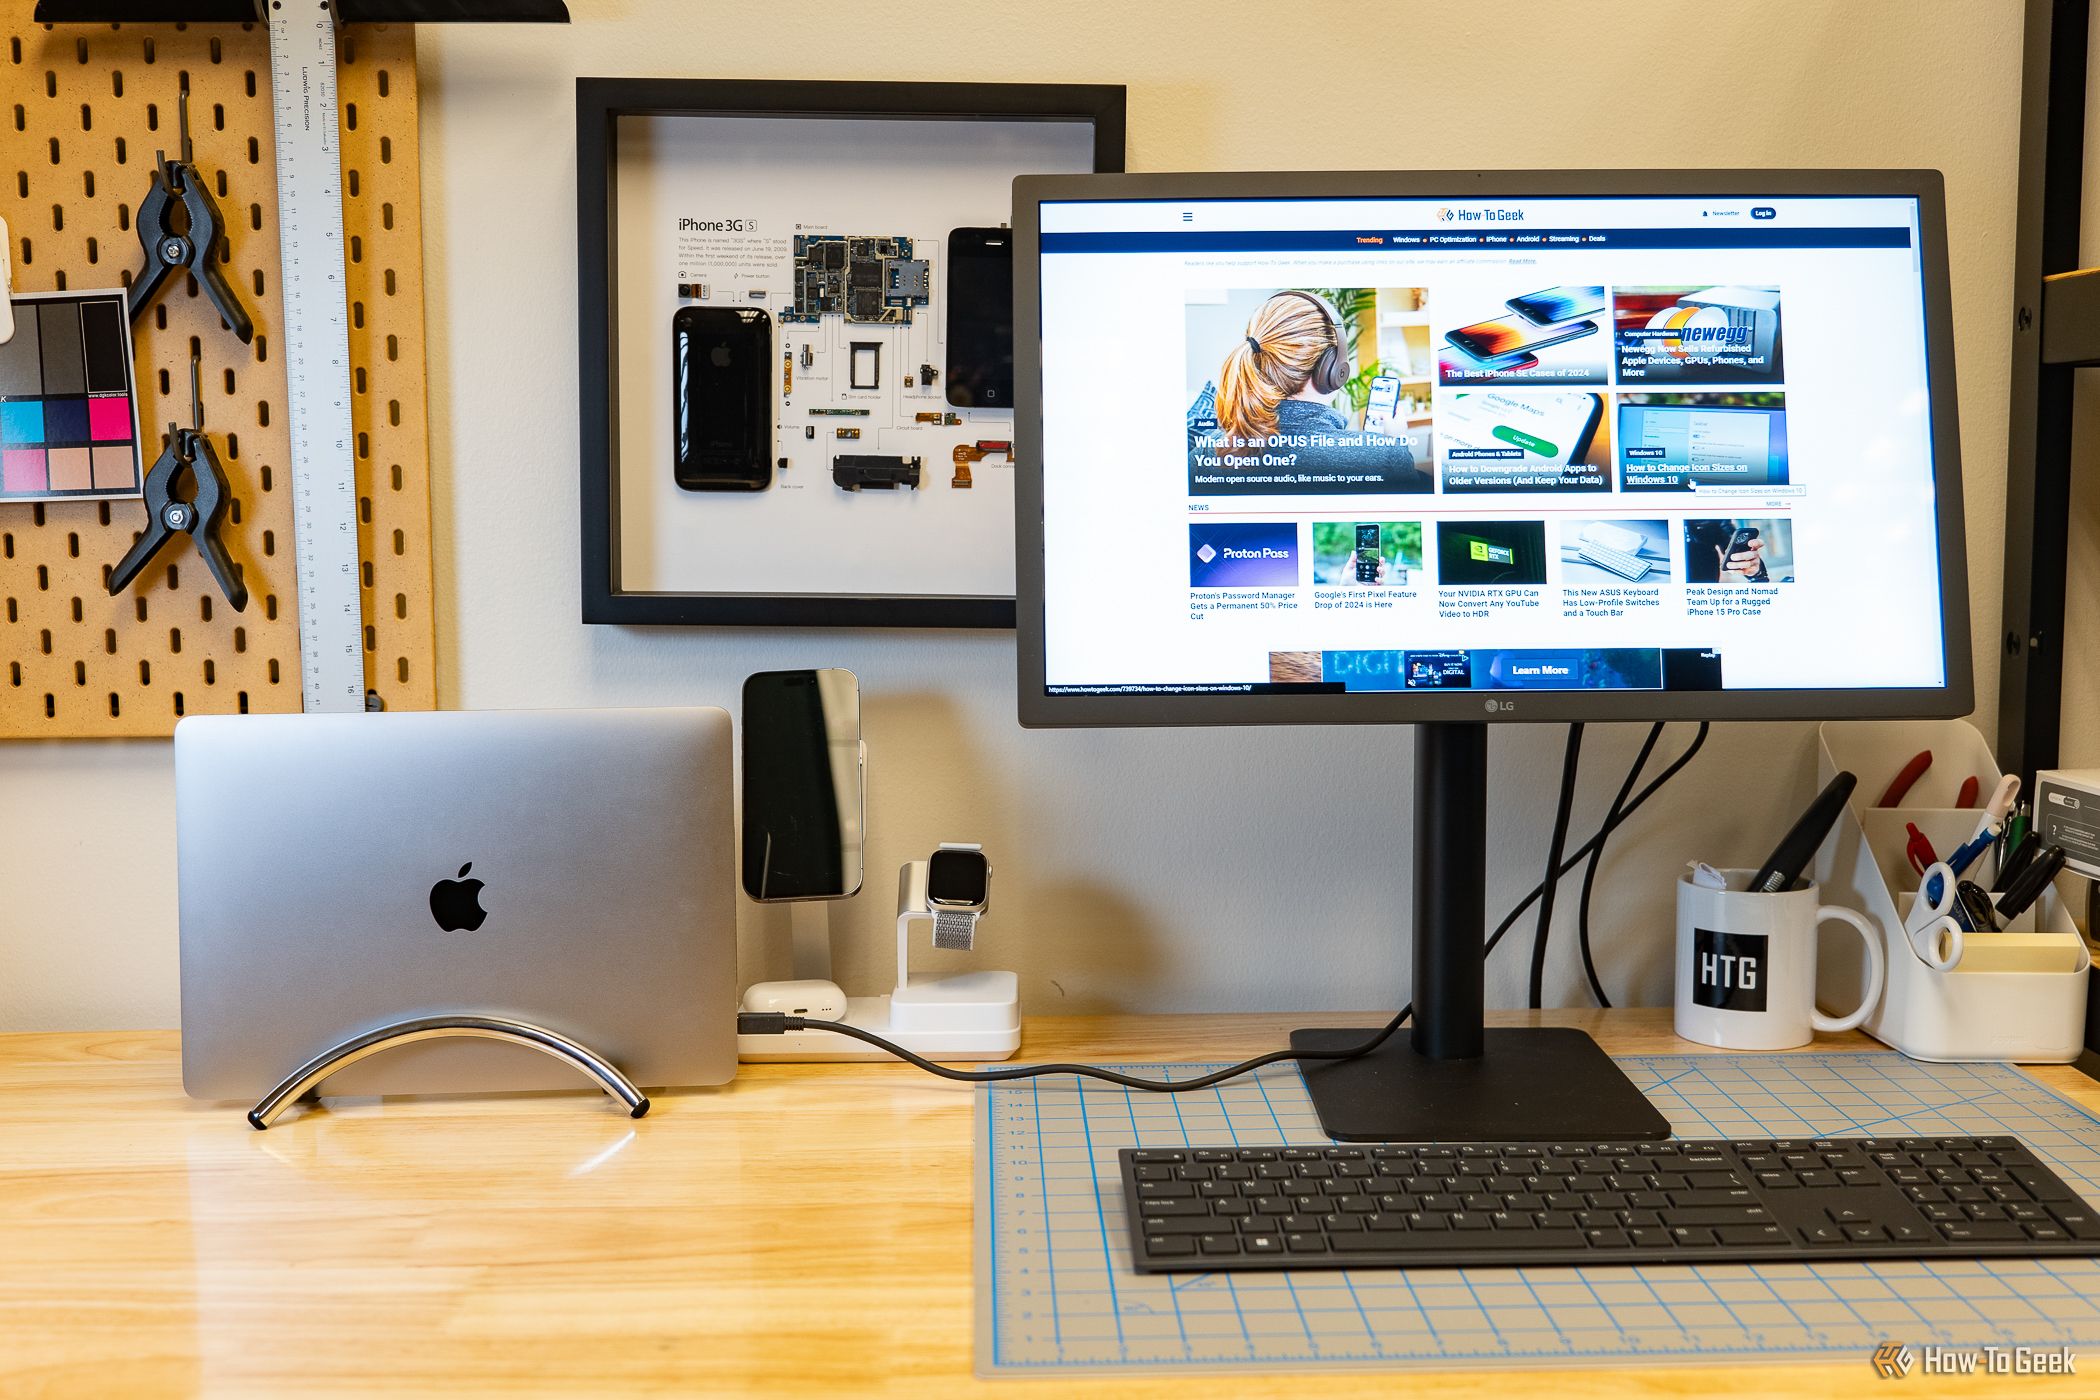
(809, 924)
(962, 1016)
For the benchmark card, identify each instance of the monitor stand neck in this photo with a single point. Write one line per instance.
(1450, 889)
(1452, 1080)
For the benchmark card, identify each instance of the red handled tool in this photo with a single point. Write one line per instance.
(1912, 771)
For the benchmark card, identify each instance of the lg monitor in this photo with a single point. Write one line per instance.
(1451, 449)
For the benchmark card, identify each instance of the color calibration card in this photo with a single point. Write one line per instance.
(68, 404)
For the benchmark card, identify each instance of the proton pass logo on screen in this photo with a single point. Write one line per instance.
(1243, 555)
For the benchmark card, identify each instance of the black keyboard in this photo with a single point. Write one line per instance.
(1575, 1203)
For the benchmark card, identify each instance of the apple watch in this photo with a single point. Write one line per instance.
(958, 888)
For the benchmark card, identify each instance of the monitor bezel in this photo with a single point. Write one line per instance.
(1039, 709)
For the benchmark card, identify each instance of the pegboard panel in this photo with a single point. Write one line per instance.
(383, 215)
(85, 109)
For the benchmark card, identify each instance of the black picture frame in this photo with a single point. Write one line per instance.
(600, 103)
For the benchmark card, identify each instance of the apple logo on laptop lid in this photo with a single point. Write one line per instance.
(456, 904)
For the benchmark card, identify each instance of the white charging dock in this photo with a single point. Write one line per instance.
(963, 1016)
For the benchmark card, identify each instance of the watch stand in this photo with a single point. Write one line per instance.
(961, 1016)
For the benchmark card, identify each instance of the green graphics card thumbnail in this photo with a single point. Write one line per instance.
(1491, 552)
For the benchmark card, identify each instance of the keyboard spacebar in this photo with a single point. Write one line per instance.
(1451, 1242)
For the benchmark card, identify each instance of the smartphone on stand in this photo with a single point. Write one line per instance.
(804, 798)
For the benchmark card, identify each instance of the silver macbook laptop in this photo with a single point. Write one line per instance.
(573, 869)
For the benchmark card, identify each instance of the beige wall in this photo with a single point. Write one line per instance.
(1174, 870)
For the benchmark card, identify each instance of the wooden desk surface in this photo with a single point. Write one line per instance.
(547, 1243)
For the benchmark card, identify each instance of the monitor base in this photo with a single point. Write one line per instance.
(1533, 1084)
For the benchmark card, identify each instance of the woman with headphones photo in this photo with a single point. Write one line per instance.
(1277, 380)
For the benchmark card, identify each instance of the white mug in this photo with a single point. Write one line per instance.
(1746, 964)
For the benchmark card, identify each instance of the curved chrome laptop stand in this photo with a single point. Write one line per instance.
(372, 1042)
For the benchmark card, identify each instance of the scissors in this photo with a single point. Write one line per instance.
(1935, 934)
(1918, 850)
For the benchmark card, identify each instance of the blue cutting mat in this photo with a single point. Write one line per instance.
(1056, 1293)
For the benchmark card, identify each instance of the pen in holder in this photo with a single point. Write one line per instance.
(1950, 994)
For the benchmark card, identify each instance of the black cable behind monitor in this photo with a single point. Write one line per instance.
(1589, 875)
(1570, 767)
(779, 1023)
(1582, 852)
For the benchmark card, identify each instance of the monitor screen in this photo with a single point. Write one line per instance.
(1587, 451)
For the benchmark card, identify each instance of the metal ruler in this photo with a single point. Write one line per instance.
(316, 352)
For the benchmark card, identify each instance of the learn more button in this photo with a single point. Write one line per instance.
(1520, 438)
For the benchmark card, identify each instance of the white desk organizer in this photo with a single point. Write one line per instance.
(2017, 995)
(963, 1016)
